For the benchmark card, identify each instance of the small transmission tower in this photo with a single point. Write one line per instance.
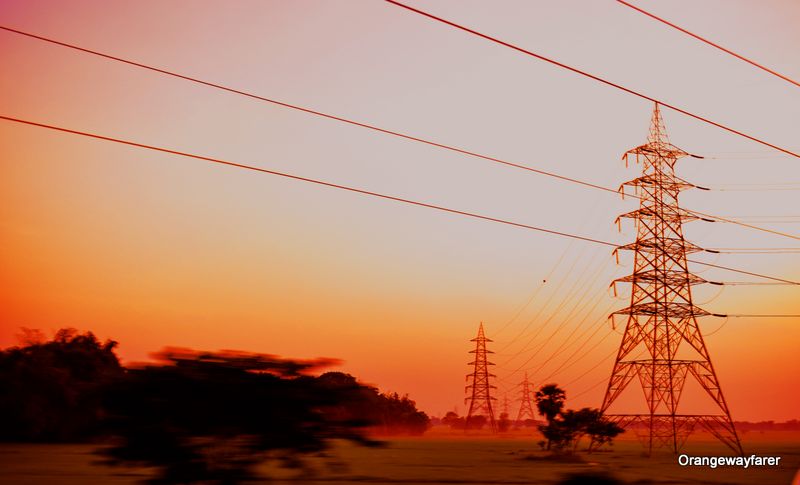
(662, 345)
(525, 407)
(480, 401)
(506, 404)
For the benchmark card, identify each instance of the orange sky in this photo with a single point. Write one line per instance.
(154, 250)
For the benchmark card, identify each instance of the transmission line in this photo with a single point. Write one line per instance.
(352, 189)
(593, 77)
(362, 124)
(569, 362)
(712, 44)
(566, 344)
(535, 293)
(550, 298)
(580, 287)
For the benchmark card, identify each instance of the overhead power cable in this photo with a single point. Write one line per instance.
(743, 315)
(704, 216)
(754, 250)
(354, 189)
(303, 109)
(594, 77)
(535, 293)
(712, 44)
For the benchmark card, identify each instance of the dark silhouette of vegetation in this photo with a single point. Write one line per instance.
(215, 416)
(387, 413)
(565, 428)
(503, 423)
(550, 401)
(208, 417)
(476, 422)
(52, 390)
(453, 420)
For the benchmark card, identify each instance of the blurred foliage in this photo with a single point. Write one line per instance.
(209, 417)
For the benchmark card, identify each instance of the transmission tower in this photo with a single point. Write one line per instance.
(525, 407)
(506, 404)
(480, 401)
(662, 345)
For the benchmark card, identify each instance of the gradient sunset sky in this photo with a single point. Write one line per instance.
(155, 250)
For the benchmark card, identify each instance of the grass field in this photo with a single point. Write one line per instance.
(440, 457)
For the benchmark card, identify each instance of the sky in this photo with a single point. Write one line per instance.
(154, 250)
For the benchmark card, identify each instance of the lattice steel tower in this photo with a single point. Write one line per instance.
(526, 406)
(662, 345)
(480, 401)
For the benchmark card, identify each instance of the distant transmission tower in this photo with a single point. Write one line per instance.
(662, 345)
(525, 407)
(506, 404)
(480, 402)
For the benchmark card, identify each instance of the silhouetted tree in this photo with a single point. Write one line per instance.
(602, 431)
(212, 417)
(52, 390)
(453, 420)
(387, 413)
(476, 422)
(565, 430)
(399, 414)
(550, 401)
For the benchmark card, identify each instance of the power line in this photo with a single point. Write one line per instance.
(740, 223)
(743, 315)
(569, 362)
(567, 343)
(535, 293)
(754, 250)
(712, 44)
(593, 77)
(705, 217)
(303, 109)
(354, 189)
(580, 289)
(768, 189)
(541, 346)
(547, 277)
(535, 317)
(742, 271)
(590, 388)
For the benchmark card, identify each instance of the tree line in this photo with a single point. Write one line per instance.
(195, 416)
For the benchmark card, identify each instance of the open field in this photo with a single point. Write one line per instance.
(439, 458)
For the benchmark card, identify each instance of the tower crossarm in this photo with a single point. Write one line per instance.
(671, 309)
(658, 149)
(665, 213)
(668, 277)
(671, 184)
(668, 245)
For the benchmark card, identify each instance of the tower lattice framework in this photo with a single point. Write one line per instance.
(480, 387)
(662, 345)
(526, 405)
